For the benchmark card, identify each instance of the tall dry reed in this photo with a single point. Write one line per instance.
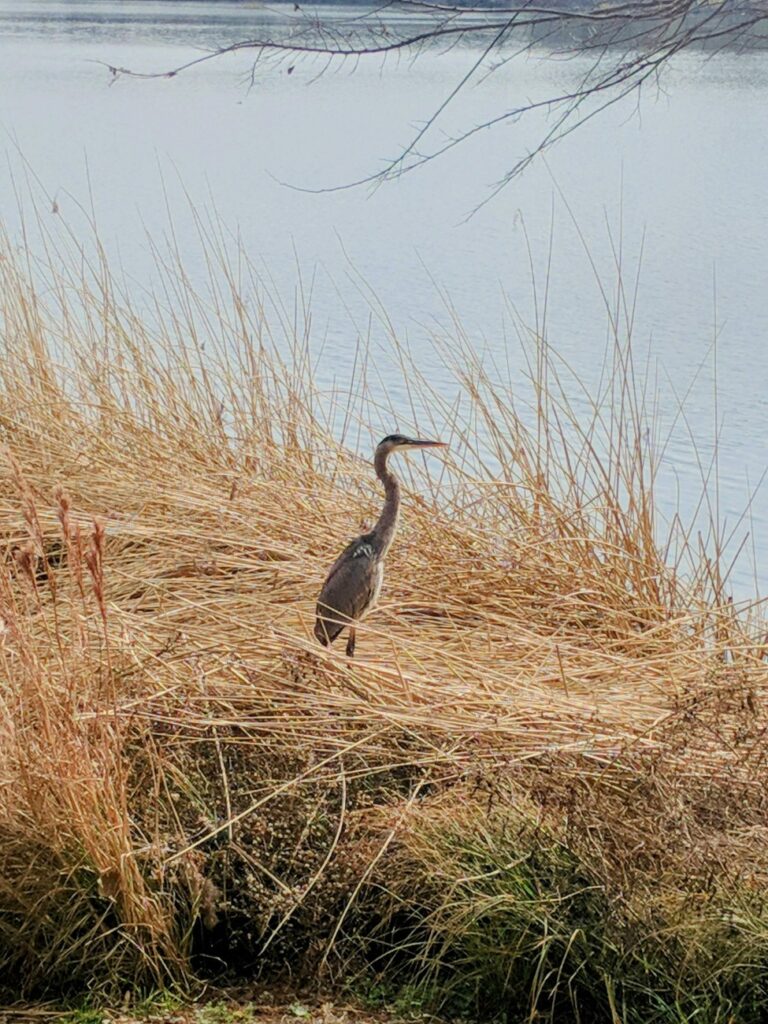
(539, 790)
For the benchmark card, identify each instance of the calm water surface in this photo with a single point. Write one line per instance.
(681, 186)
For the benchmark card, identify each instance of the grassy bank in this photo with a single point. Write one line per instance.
(540, 790)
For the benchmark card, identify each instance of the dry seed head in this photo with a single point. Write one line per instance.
(15, 467)
(26, 559)
(94, 559)
(95, 555)
(62, 498)
(209, 898)
(99, 531)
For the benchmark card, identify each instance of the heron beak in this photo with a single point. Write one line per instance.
(429, 444)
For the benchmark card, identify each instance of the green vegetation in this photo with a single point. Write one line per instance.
(538, 793)
(232, 1007)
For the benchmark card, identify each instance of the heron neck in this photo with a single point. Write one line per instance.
(386, 528)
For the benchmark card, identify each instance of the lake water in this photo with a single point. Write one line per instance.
(683, 183)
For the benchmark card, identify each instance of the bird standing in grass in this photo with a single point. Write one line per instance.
(354, 581)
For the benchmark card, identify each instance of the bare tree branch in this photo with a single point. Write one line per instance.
(632, 41)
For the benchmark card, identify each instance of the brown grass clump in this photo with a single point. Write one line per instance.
(540, 789)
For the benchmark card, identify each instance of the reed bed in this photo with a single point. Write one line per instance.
(540, 788)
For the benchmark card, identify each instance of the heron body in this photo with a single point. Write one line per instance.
(354, 581)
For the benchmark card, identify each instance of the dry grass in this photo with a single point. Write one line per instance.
(539, 789)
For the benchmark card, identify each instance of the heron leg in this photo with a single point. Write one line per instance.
(351, 642)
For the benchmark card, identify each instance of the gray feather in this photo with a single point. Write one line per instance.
(347, 591)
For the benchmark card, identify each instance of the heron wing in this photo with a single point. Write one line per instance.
(347, 591)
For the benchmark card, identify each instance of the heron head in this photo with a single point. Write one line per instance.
(399, 442)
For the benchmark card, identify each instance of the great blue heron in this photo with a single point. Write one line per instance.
(354, 581)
